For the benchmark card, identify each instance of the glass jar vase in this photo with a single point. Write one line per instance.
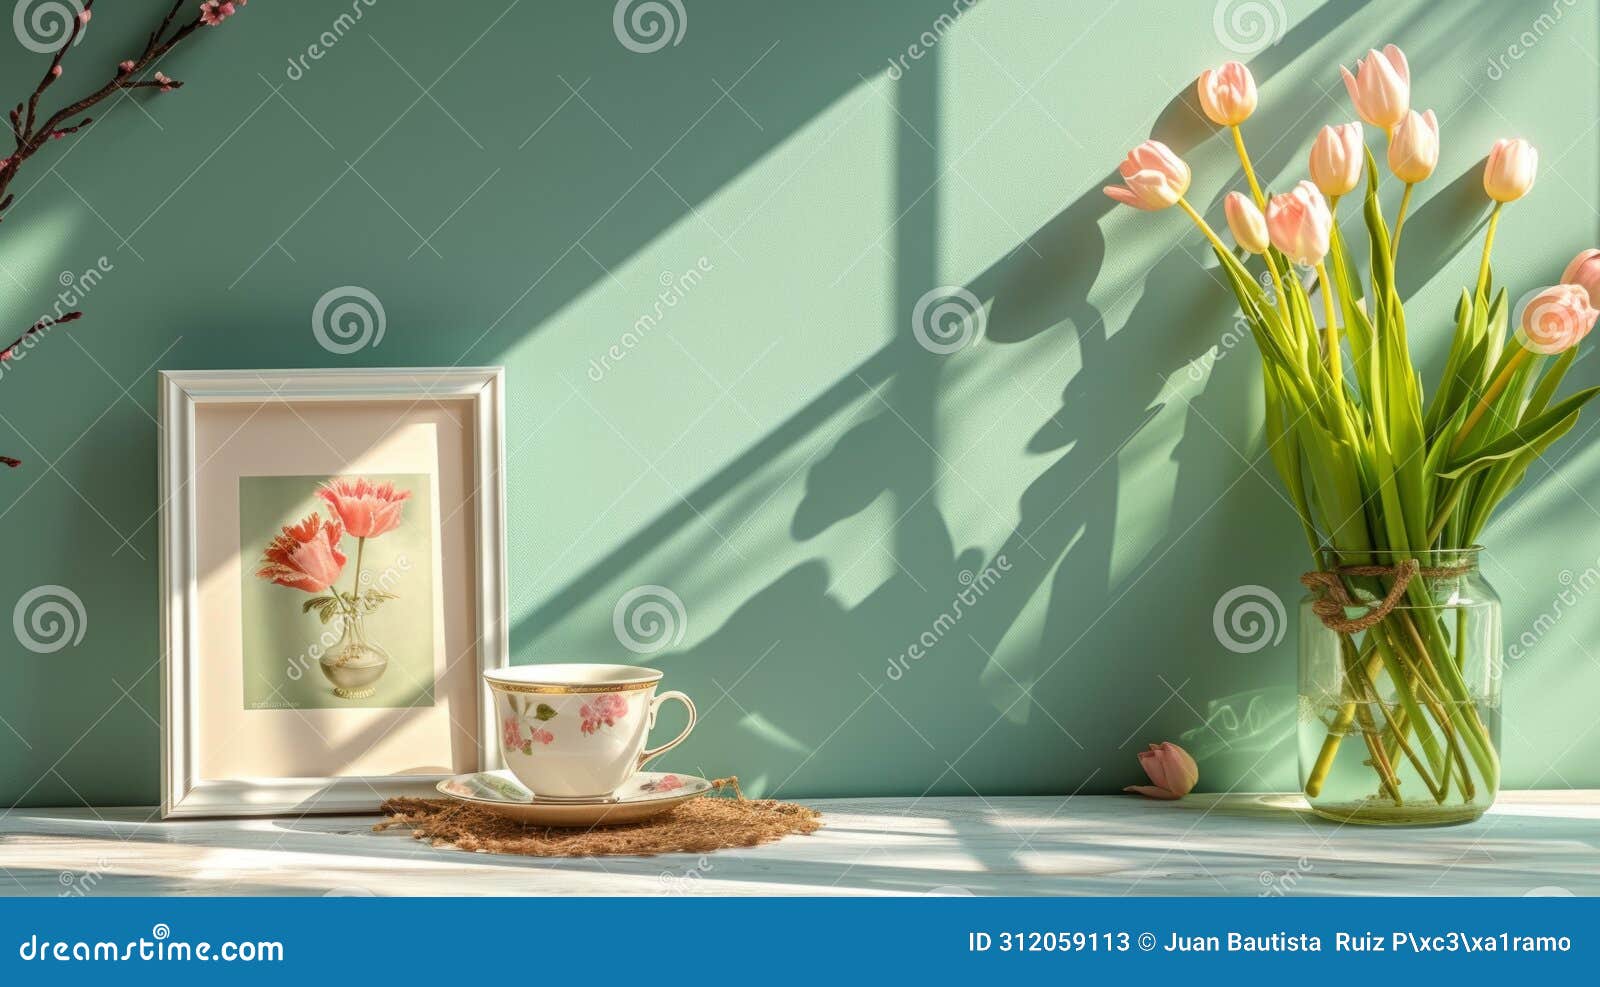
(1400, 707)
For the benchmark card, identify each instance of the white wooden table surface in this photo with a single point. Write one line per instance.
(1539, 842)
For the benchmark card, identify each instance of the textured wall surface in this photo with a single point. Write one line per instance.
(702, 266)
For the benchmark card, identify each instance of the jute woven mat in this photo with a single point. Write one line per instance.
(696, 826)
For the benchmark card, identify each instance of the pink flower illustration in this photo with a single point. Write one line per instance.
(539, 735)
(605, 709)
(666, 783)
(511, 733)
(305, 556)
(367, 509)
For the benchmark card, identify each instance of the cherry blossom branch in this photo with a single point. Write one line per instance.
(30, 135)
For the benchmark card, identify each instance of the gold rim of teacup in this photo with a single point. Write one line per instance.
(569, 690)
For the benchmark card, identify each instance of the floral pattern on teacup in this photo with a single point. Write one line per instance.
(520, 729)
(603, 710)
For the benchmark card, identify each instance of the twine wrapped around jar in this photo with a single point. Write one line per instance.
(1333, 602)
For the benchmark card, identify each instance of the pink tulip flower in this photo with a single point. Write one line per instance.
(1300, 224)
(1227, 94)
(1336, 158)
(1172, 772)
(1245, 220)
(1556, 319)
(1414, 148)
(367, 509)
(1152, 177)
(1584, 271)
(1510, 170)
(1380, 87)
(305, 556)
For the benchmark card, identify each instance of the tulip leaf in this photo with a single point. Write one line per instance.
(1537, 432)
(315, 601)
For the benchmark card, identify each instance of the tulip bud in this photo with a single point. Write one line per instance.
(1154, 177)
(1245, 220)
(1227, 94)
(1336, 158)
(1556, 319)
(1381, 87)
(1172, 772)
(1584, 271)
(1300, 224)
(1509, 172)
(1414, 148)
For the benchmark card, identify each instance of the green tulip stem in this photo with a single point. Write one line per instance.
(1400, 222)
(1249, 170)
(1335, 361)
(1495, 387)
(1488, 245)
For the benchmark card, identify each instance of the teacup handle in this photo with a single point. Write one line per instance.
(652, 753)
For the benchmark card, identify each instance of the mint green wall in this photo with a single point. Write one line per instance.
(778, 450)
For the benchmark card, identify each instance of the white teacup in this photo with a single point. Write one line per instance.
(578, 731)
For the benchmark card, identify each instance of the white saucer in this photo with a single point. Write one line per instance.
(644, 795)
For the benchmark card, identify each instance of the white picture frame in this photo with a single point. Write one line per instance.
(183, 792)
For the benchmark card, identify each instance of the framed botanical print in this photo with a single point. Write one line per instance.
(332, 583)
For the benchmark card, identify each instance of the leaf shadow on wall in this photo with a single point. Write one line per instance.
(1093, 627)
